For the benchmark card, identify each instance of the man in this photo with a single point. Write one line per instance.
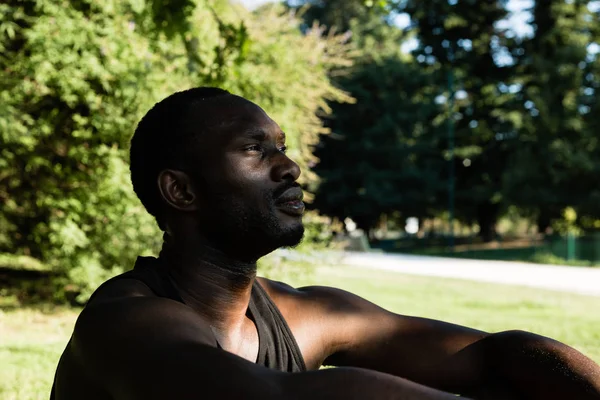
(197, 323)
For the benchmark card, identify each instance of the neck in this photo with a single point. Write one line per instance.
(214, 284)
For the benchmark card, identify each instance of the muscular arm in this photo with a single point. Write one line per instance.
(452, 357)
(151, 348)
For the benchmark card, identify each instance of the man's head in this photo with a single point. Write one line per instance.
(209, 163)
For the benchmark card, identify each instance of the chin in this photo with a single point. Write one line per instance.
(293, 237)
(276, 239)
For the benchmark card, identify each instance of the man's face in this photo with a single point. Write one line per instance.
(249, 200)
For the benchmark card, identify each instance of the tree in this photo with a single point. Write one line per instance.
(590, 108)
(524, 111)
(339, 15)
(78, 75)
(71, 90)
(554, 166)
(379, 159)
(463, 39)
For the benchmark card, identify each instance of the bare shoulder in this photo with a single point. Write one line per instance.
(323, 319)
(315, 296)
(312, 309)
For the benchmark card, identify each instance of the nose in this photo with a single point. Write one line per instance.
(285, 169)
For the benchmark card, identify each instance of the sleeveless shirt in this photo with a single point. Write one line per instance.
(277, 347)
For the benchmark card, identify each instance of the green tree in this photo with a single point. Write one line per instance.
(382, 157)
(463, 39)
(333, 14)
(75, 78)
(590, 108)
(555, 164)
(379, 159)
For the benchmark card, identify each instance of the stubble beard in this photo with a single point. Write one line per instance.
(238, 227)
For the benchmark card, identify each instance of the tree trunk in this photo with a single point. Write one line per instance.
(383, 224)
(422, 231)
(543, 222)
(487, 217)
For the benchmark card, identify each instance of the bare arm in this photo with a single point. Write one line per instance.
(536, 367)
(452, 357)
(151, 348)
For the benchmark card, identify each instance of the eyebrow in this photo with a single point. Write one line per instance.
(260, 134)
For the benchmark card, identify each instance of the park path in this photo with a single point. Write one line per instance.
(563, 278)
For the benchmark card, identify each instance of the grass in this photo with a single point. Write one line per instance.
(32, 338)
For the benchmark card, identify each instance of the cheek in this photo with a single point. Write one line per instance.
(245, 175)
(234, 189)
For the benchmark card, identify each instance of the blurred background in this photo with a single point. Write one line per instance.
(428, 131)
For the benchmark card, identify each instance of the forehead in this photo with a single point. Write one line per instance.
(240, 118)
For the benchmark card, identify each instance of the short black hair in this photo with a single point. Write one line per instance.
(163, 139)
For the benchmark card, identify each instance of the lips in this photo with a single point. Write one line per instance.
(290, 202)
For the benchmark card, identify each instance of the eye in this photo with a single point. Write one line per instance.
(254, 147)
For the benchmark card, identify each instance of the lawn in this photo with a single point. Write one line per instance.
(31, 341)
(32, 338)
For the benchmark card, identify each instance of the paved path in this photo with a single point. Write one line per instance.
(564, 278)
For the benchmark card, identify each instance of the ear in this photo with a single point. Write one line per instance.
(177, 190)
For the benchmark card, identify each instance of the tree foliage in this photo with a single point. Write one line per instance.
(556, 161)
(522, 111)
(462, 39)
(379, 158)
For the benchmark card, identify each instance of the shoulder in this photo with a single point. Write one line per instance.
(316, 297)
(323, 319)
(120, 287)
(123, 327)
(125, 316)
(322, 308)
(126, 305)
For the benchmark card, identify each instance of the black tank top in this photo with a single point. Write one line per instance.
(277, 347)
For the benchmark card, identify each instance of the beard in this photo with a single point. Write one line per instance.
(241, 226)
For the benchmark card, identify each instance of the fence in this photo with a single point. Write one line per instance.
(551, 249)
(570, 247)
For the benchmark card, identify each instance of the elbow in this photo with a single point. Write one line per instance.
(542, 366)
(515, 344)
(522, 351)
(519, 339)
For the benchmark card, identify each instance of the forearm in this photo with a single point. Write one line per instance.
(356, 383)
(535, 367)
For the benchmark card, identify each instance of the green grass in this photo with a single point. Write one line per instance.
(32, 338)
(31, 341)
